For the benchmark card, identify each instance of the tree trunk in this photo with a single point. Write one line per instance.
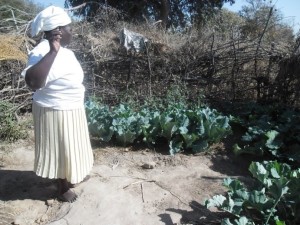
(164, 12)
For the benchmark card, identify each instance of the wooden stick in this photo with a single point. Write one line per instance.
(137, 182)
(76, 7)
(142, 192)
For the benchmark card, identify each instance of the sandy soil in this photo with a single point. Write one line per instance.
(123, 189)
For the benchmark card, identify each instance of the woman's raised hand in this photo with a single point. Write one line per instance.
(54, 37)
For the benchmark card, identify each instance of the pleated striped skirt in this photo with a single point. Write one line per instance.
(62, 145)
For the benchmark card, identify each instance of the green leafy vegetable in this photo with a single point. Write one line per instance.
(277, 187)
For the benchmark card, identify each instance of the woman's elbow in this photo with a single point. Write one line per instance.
(33, 83)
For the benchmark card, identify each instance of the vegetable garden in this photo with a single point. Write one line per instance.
(271, 133)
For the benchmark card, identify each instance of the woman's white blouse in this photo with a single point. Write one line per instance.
(64, 89)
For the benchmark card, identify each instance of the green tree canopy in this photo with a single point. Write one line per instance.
(177, 13)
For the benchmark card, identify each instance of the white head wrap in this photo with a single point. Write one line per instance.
(49, 19)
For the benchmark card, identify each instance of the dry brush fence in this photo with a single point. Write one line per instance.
(206, 63)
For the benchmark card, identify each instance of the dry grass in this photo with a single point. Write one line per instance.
(10, 48)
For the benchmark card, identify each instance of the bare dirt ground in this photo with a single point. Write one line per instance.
(123, 189)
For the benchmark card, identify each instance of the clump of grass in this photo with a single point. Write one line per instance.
(10, 128)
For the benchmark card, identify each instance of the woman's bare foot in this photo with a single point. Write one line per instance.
(70, 185)
(64, 192)
(68, 196)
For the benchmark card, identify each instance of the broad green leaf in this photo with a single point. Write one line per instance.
(233, 185)
(247, 137)
(99, 120)
(240, 221)
(105, 134)
(226, 221)
(190, 139)
(200, 146)
(256, 150)
(228, 205)
(274, 173)
(260, 201)
(183, 130)
(272, 142)
(175, 146)
(277, 169)
(279, 222)
(168, 129)
(242, 194)
(279, 188)
(237, 190)
(236, 149)
(233, 205)
(125, 137)
(258, 171)
(215, 201)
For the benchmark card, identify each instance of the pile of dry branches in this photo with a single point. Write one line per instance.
(13, 58)
(205, 63)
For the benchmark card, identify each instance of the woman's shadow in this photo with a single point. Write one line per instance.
(20, 185)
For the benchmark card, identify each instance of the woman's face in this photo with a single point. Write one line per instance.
(66, 35)
(64, 32)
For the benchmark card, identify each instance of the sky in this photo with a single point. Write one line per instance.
(46, 3)
(289, 8)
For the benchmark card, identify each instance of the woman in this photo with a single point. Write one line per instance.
(62, 146)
